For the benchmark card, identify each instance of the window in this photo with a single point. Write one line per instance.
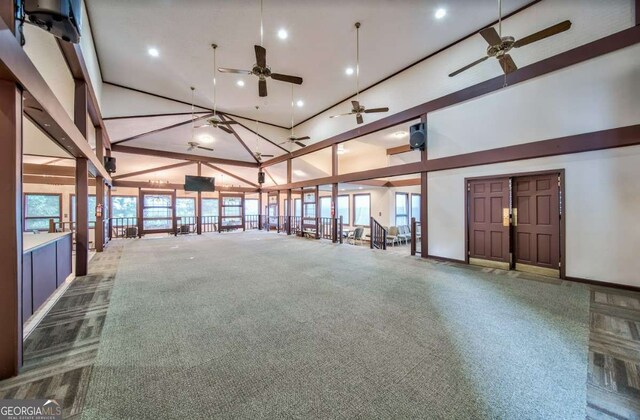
(157, 211)
(251, 207)
(402, 209)
(415, 206)
(124, 206)
(231, 211)
(186, 207)
(343, 208)
(298, 207)
(325, 206)
(92, 209)
(210, 207)
(39, 208)
(361, 209)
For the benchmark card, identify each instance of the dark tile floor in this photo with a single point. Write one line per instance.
(59, 354)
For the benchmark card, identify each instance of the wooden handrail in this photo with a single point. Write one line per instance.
(378, 235)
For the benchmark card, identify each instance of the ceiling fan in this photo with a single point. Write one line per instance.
(257, 153)
(260, 68)
(356, 108)
(215, 121)
(292, 138)
(193, 145)
(499, 46)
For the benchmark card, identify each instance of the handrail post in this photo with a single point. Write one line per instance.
(384, 239)
(52, 226)
(340, 231)
(372, 228)
(413, 236)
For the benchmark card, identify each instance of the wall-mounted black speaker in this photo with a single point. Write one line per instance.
(418, 136)
(260, 177)
(110, 164)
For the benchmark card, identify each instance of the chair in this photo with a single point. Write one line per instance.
(392, 235)
(404, 233)
(356, 235)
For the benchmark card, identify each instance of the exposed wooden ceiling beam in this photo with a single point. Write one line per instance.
(235, 134)
(216, 168)
(156, 169)
(15, 65)
(53, 180)
(269, 175)
(397, 150)
(161, 129)
(53, 170)
(403, 182)
(170, 186)
(180, 156)
(250, 130)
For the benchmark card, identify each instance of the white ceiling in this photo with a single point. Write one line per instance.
(321, 44)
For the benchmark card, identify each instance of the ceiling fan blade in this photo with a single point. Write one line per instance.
(302, 138)
(225, 129)
(300, 144)
(491, 36)
(261, 56)
(238, 71)
(342, 115)
(284, 142)
(227, 122)
(359, 119)
(286, 78)
(262, 88)
(205, 148)
(468, 66)
(355, 105)
(545, 33)
(368, 111)
(507, 64)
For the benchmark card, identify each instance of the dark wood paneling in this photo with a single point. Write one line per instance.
(488, 230)
(51, 170)
(565, 59)
(180, 156)
(27, 297)
(82, 217)
(11, 227)
(63, 259)
(44, 274)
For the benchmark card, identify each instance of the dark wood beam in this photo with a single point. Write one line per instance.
(180, 156)
(254, 132)
(53, 180)
(100, 192)
(266, 171)
(403, 183)
(237, 136)
(11, 228)
(180, 187)
(52, 170)
(72, 54)
(165, 114)
(232, 175)
(557, 62)
(161, 129)
(80, 106)
(16, 66)
(397, 150)
(156, 169)
(82, 217)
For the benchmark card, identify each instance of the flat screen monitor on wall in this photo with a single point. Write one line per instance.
(199, 183)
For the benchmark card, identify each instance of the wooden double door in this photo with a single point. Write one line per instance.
(513, 222)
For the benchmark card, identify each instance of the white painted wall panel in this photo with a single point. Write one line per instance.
(601, 204)
(88, 49)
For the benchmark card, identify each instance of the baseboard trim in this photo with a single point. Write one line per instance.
(604, 284)
(453, 260)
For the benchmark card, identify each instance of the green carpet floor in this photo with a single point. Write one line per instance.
(257, 325)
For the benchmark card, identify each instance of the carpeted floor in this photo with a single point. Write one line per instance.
(253, 325)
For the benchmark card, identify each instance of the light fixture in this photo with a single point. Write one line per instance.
(359, 188)
(440, 13)
(206, 138)
(240, 83)
(341, 150)
(282, 34)
(399, 134)
(153, 52)
(298, 172)
(349, 71)
(300, 103)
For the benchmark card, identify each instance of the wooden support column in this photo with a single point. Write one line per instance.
(199, 205)
(82, 216)
(11, 228)
(139, 207)
(100, 190)
(317, 211)
(289, 215)
(424, 221)
(80, 106)
(260, 215)
(173, 213)
(334, 192)
(110, 215)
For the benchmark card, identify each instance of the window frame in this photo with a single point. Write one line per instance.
(320, 201)
(406, 215)
(26, 211)
(348, 221)
(419, 195)
(354, 209)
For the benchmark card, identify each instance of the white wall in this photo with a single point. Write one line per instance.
(90, 57)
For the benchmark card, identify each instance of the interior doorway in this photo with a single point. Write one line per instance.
(515, 222)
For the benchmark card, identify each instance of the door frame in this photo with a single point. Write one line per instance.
(563, 213)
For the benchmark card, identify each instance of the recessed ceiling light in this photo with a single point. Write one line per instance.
(205, 138)
(440, 13)
(240, 83)
(300, 103)
(282, 34)
(153, 52)
(349, 71)
(298, 172)
(359, 188)
(400, 134)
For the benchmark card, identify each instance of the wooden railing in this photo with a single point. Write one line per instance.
(209, 223)
(251, 222)
(415, 235)
(327, 228)
(296, 225)
(186, 224)
(378, 235)
(62, 226)
(123, 227)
